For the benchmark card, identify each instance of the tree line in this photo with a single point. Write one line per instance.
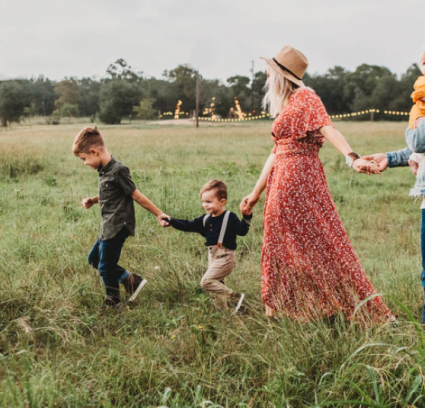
(124, 92)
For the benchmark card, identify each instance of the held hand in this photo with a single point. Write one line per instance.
(413, 166)
(365, 166)
(164, 220)
(248, 203)
(87, 203)
(418, 120)
(380, 159)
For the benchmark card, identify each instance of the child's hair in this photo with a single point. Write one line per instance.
(217, 185)
(87, 139)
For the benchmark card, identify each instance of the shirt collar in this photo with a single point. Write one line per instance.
(106, 168)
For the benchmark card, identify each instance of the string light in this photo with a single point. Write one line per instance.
(264, 116)
(176, 113)
(365, 112)
(238, 108)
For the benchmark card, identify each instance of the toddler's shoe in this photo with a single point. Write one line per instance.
(235, 301)
(133, 285)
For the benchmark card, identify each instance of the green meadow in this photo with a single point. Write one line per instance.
(59, 346)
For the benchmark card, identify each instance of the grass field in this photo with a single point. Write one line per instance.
(60, 348)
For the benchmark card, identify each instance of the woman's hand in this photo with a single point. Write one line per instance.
(248, 203)
(365, 166)
(380, 159)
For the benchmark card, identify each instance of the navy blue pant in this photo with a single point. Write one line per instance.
(423, 260)
(104, 256)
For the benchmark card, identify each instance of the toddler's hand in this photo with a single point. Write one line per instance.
(245, 210)
(418, 121)
(87, 203)
(164, 220)
(414, 161)
(413, 166)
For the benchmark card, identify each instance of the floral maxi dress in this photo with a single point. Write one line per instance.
(309, 267)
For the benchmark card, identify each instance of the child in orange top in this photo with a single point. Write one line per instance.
(418, 97)
(418, 110)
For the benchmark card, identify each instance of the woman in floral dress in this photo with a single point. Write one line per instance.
(309, 267)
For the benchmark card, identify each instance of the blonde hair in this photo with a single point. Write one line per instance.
(219, 186)
(278, 91)
(87, 139)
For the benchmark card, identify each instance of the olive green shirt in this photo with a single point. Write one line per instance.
(116, 204)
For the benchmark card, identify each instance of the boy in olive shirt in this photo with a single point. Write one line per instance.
(116, 194)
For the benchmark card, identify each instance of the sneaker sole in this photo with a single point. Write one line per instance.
(137, 291)
(238, 306)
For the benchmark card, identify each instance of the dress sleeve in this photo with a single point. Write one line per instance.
(315, 115)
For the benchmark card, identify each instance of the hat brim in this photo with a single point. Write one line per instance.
(286, 74)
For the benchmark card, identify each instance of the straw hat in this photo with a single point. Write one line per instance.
(291, 62)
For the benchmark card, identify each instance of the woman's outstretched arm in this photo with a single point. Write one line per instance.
(252, 199)
(340, 144)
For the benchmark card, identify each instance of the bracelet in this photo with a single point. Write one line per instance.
(350, 158)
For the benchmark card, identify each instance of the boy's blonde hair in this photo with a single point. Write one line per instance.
(87, 139)
(219, 186)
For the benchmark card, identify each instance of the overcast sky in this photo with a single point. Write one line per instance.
(61, 38)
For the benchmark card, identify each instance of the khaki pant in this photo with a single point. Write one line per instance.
(221, 262)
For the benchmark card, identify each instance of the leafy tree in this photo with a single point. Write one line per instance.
(342, 91)
(183, 81)
(239, 89)
(13, 99)
(89, 101)
(68, 92)
(239, 84)
(122, 71)
(333, 88)
(117, 98)
(162, 92)
(144, 110)
(258, 85)
(42, 95)
(120, 92)
(69, 95)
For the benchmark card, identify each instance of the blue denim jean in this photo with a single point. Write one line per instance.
(104, 256)
(423, 260)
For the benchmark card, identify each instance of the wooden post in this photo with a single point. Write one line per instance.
(372, 114)
(197, 100)
(252, 88)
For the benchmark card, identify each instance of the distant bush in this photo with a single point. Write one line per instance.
(117, 98)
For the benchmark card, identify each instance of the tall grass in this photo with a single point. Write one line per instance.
(60, 348)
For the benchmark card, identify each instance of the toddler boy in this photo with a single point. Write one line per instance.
(220, 228)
